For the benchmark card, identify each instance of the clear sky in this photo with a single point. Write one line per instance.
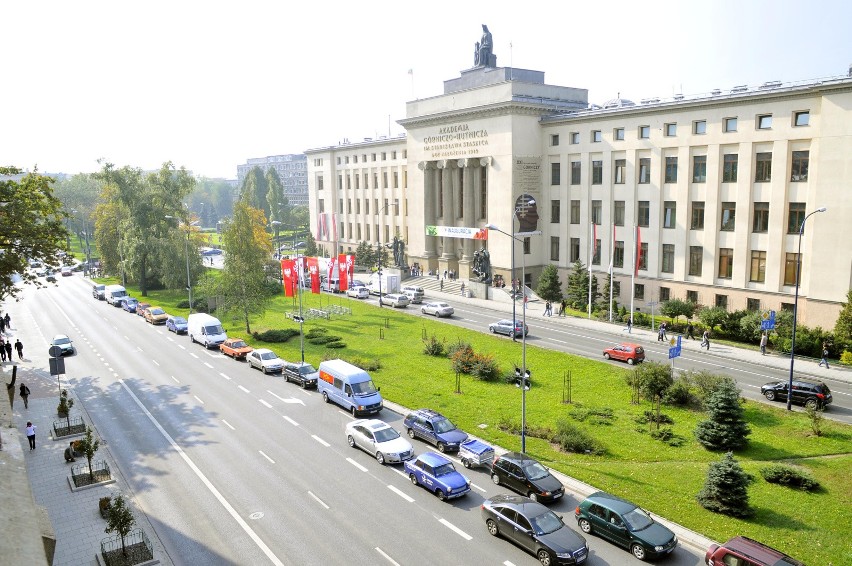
(210, 84)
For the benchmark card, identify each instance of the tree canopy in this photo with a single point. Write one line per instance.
(549, 287)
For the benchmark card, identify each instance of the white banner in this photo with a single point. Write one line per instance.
(458, 232)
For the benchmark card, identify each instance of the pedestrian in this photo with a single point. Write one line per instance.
(689, 330)
(9, 350)
(763, 339)
(69, 452)
(824, 359)
(705, 340)
(462, 289)
(437, 275)
(2, 324)
(562, 307)
(660, 331)
(442, 284)
(31, 430)
(663, 327)
(2, 348)
(8, 320)
(629, 327)
(25, 395)
(20, 348)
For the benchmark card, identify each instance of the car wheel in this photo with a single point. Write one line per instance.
(351, 441)
(630, 361)
(380, 458)
(442, 447)
(422, 311)
(606, 356)
(770, 395)
(263, 369)
(534, 496)
(466, 463)
(544, 557)
(411, 434)
(491, 328)
(304, 385)
(496, 479)
(585, 526)
(441, 495)
(413, 478)
(437, 315)
(638, 551)
(325, 396)
(811, 403)
(492, 528)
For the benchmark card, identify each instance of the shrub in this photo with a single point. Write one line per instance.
(704, 383)
(336, 345)
(680, 393)
(846, 358)
(315, 332)
(572, 439)
(484, 367)
(595, 416)
(464, 359)
(790, 477)
(281, 335)
(456, 346)
(320, 340)
(434, 347)
(815, 418)
(652, 417)
(365, 364)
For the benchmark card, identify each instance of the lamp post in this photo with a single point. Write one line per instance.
(524, 377)
(796, 309)
(186, 247)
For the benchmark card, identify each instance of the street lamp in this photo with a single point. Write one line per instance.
(524, 377)
(796, 308)
(186, 247)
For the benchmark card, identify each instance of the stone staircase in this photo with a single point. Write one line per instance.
(432, 288)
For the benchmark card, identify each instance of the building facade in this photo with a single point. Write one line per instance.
(291, 168)
(698, 198)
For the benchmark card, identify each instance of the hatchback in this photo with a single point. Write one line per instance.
(141, 308)
(266, 361)
(506, 327)
(521, 473)
(176, 324)
(807, 392)
(155, 315)
(394, 300)
(434, 428)
(358, 293)
(630, 353)
(378, 439)
(437, 309)
(129, 304)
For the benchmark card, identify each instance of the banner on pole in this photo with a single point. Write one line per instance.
(458, 232)
(313, 269)
(288, 269)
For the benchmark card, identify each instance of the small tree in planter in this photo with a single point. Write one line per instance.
(88, 445)
(104, 504)
(120, 520)
(64, 407)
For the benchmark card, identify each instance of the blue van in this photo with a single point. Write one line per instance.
(348, 386)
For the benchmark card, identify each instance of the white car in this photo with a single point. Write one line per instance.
(438, 309)
(395, 300)
(358, 293)
(266, 361)
(379, 439)
(64, 344)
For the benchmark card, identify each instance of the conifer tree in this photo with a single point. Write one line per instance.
(726, 488)
(843, 326)
(549, 287)
(725, 428)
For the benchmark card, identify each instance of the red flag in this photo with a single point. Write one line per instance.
(332, 265)
(594, 239)
(350, 267)
(287, 270)
(638, 251)
(343, 271)
(313, 268)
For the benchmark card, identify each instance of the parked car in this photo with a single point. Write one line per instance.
(155, 315)
(65, 271)
(302, 373)
(266, 361)
(434, 428)
(50, 276)
(64, 343)
(630, 353)
(99, 291)
(140, 308)
(355, 283)
(528, 477)
(176, 324)
(506, 327)
(624, 524)
(534, 528)
(236, 348)
(438, 309)
(807, 392)
(743, 551)
(437, 474)
(358, 293)
(129, 304)
(211, 252)
(395, 300)
(378, 439)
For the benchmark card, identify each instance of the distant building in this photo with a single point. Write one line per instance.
(293, 170)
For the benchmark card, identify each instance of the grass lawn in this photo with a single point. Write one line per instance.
(665, 479)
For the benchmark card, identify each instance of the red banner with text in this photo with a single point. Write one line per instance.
(344, 275)
(313, 269)
(288, 270)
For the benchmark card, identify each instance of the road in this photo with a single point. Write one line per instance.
(234, 467)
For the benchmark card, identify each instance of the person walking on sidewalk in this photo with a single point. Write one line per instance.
(763, 340)
(24, 392)
(8, 320)
(689, 330)
(462, 289)
(824, 359)
(2, 348)
(547, 309)
(562, 306)
(20, 348)
(705, 340)
(629, 327)
(9, 350)
(31, 430)
(664, 327)
(442, 284)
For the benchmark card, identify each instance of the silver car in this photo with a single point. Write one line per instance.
(266, 361)
(437, 309)
(395, 300)
(379, 439)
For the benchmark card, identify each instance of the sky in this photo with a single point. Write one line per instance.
(208, 85)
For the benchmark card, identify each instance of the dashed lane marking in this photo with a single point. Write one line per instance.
(265, 404)
(401, 494)
(320, 440)
(243, 389)
(271, 461)
(228, 424)
(386, 557)
(197, 399)
(318, 500)
(455, 529)
(356, 464)
(291, 421)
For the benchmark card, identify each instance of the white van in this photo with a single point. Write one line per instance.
(348, 386)
(414, 294)
(205, 329)
(114, 293)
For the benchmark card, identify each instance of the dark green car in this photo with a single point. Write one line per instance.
(624, 524)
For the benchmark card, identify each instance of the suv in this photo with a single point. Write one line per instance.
(521, 473)
(744, 551)
(434, 428)
(807, 392)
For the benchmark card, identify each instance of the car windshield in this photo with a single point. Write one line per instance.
(62, 341)
(214, 329)
(179, 320)
(442, 305)
(268, 356)
(534, 470)
(386, 435)
(131, 301)
(637, 520)
(445, 469)
(158, 311)
(306, 369)
(238, 344)
(363, 388)
(546, 523)
(443, 425)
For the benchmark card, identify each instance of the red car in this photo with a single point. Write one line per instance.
(236, 348)
(630, 353)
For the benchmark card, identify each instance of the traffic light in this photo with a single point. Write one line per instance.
(526, 379)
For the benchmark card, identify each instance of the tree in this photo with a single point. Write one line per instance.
(88, 445)
(274, 196)
(300, 216)
(674, 308)
(31, 227)
(364, 254)
(726, 427)
(549, 288)
(577, 290)
(311, 246)
(254, 189)
(653, 380)
(726, 488)
(712, 317)
(120, 520)
(843, 326)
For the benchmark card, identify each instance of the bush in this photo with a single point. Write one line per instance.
(846, 358)
(434, 347)
(365, 364)
(485, 367)
(315, 332)
(463, 359)
(790, 477)
(572, 439)
(320, 340)
(668, 436)
(652, 417)
(726, 488)
(336, 345)
(281, 335)
(595, 416)
(680, 393)
(456, 346)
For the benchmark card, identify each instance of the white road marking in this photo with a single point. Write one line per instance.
(356, 464)
(181, 346)
(320, 440)
(197, 399)
(265, 404)
(155, 363)
(225, 376)
(507, 563)
(455, 529)
(386, 557)
(193, 355)
(401, 494)
(244, 389)
(126, 338)
(291, 421)
(271, 461)
(228, 424)
(286, 400)
(477, 487)
(176, 379)
(400, 472)
(345, 414)
(170, 339)
(208, 365)
(320, 501)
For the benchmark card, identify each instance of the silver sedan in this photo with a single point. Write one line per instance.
(379, 439)
(437, 309)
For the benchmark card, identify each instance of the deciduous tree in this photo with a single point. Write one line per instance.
(120, 520)
(674, 308)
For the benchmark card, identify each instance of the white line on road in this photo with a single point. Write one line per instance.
(225, 376)
(193, 355)
(356, 464)
(176, 379)
(400, 472)
(345, 414)
(181, 346)
(386, 557)
(507, 563)
(285, 400)
(320, 501)
(197, 399)
(455, 529)
(208, 365)
(401, 494)
(126, 338)
(170, 339)
(244, 389)
(228, 424)
(265, 404)
(477, 487)
(155, 363)
(291, 421)
(320, 440)
(271, 461)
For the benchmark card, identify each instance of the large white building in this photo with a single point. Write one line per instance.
(718, 185)
(292, 170)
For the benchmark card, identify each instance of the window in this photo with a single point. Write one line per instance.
(802, 118)
(596, 258)
(596, 136)
(670, 130)
(644, 132)
(396, 179)
(597, 212)
(671, 169)
(554, 248)
(319, 183)
(799, 171)
(358, 206)
(722, 301)
(575, 212)
(790, 269)
(699, 127)
(692, 296)
(644, 213)
(787, 307)
(795, 217)
(618, 213)
(761, 217)
(554, 139)
(597, 172)
(730, 124)
(639, 291)
(620, 167)
(349, 206)
(665, 294)
(763, 168)
(643, 256)
(729, 215)
(764, 121)
(758, 267)
(340, 206)
(697, 216)
(384, 156)
(668, 258)
(358, 181)
(669, 214)
(753, 304)
(729, 168)
(644, 170)
(575, 172)
(726, 263)
(696, 258)
(699, 168)
(321, 206)
(618, 254)
(574, 137)
(555, 173)
(575, 249)
(555, 206)
(618, 133)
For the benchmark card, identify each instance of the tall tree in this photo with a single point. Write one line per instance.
(577, 290)
(300, 216)
(726, 488)
(254, 189)
(549, 288)
(275, 197)
(843, 326)
(31, 226)
(364, 254)
(725, 427)
(311, 249)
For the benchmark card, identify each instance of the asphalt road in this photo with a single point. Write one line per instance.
(234, 467)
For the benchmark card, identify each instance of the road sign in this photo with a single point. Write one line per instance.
(767, 320)
(57, 366)
(674, 351)
(55, 352)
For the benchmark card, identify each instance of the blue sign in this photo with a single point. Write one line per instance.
(674, 351)
(768, 320)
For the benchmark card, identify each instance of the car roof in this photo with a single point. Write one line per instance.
(520, 503)
(263, 351)
(60, 336)
(430, 413)
(517, 457)
(611, 502)
(759, 551)
(433, 459)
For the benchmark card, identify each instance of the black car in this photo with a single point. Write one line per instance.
(534, 528)
(302, 373)
(521, 473)
(807, 392)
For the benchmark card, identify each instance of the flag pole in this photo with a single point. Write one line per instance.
(633, 273)
(591, 253)
(611, 266)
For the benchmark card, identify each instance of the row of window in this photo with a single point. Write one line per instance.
(699, 127)
(730, 161)
(344, 160)
(388, 206)
(356, 235)
(356, 180)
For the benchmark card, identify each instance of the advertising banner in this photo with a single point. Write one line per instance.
(458, 232)
(344, 273)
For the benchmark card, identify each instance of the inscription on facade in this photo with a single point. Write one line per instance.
(458, 140)
(526, 174)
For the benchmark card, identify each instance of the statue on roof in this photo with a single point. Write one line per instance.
(483, 55)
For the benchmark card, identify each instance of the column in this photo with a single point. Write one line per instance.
(447, 219)
(430, 188)
(469, 215)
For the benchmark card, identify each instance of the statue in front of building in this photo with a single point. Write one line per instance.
(399, 252)
(482, 265)
(483, 55)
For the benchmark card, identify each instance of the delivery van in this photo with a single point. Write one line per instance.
(348, 386)
(114, 293)
(205, 329)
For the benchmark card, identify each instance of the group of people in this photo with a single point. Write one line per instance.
(5, 322)
(5, 342)
(548, 308)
